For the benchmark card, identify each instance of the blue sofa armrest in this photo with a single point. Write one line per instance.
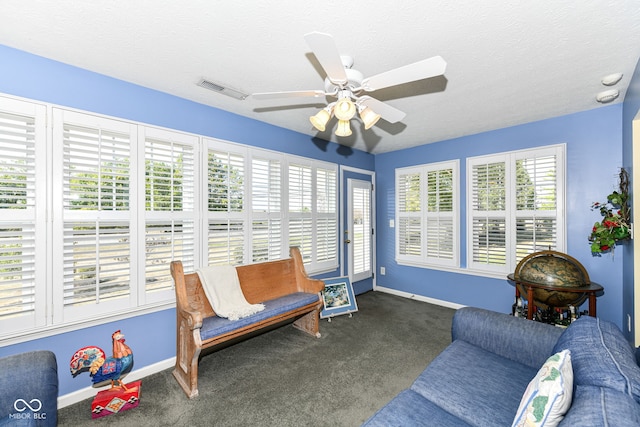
(29, 389)
(517, 339)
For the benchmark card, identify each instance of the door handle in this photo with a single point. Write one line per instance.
(347, 241)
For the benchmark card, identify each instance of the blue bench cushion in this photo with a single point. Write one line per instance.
(411, 409)
(214, 326)
(475, 385)
(601, 356)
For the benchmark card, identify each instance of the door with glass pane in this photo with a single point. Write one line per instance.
(358, 234)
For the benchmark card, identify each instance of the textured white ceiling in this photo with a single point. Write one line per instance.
(509, 61)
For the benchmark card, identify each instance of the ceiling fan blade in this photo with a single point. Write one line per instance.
(289, 94)
(326, 51)
(417, 71)
(386, 111)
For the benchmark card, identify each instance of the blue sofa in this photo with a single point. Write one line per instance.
(29, 389)
(480, 378)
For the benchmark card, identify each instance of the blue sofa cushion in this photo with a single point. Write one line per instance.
(601, 356)
(411, 409)
(29, 389)
(214, 326)
(600, 406)
(475, 385)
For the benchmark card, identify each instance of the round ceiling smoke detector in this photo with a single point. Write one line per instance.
(607, 96)
(611, 79)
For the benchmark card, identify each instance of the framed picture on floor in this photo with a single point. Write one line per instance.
(338, 298)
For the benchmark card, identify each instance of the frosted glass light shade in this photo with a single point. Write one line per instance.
(345, 109)
(320, 120)
(369, 117)
(343, 128)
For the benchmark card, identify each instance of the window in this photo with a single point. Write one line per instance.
(94, 209)
(226, 206)
(266, 202)
(427, 215)
(23, 194)
(515, 206)
(293, 203)
(94, 225)
(170, 215)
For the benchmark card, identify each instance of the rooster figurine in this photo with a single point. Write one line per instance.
(100, 367)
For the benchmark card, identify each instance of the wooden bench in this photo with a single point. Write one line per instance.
(283, 286)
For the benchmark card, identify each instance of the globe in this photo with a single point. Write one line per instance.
(553, 269)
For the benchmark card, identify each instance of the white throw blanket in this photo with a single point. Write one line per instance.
(222, 287)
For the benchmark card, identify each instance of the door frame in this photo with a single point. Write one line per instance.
(343, 217)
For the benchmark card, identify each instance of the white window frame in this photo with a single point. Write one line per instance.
(190, 213)
(37, 279)
(511, 214)
(48, 215)
(245, 218)
(78, 312)
(423, 216)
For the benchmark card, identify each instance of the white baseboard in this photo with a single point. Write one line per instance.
(88, 392)
(419, 297)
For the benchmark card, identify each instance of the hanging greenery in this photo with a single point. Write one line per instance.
(615, 223)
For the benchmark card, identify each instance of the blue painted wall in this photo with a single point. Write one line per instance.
(593, 157)
(594, 154)
(152, 337)
(631, 109)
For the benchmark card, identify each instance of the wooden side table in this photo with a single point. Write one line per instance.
(590, 289)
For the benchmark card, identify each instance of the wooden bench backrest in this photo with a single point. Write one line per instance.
(259, 282)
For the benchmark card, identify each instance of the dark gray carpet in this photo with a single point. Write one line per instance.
(287, 378)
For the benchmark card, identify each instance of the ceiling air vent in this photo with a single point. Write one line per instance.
(216, 87)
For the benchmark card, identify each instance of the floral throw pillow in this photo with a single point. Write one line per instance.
(548, 395)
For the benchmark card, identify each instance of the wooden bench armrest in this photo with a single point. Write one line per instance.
(191, 314)
(303, 281)
(193, 318)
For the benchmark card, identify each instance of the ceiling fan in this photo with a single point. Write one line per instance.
(347, 85)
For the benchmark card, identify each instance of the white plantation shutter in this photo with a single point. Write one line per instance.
(260, 203)
(327, 221)
(361, 232)
(536, 205)
(409, 214)
(96, 263)
(301, 235)
(427, 213)
(226, 242)
(94, 209)
(410, 237)
(166, 241)
(94, 232)
(227, 216)
(170, 214)
(441, 214)
(266, 201)
(488, 212)
(300, 209)
(96, 168)
(226, 182)
(22, 215)
(267, 240)
(515, 207)
(313, 214)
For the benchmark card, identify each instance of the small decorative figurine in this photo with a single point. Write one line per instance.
(101, 368)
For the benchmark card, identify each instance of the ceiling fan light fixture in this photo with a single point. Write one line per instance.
(320, 120)
(344, 129)
(345, 109)
(369, 117)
